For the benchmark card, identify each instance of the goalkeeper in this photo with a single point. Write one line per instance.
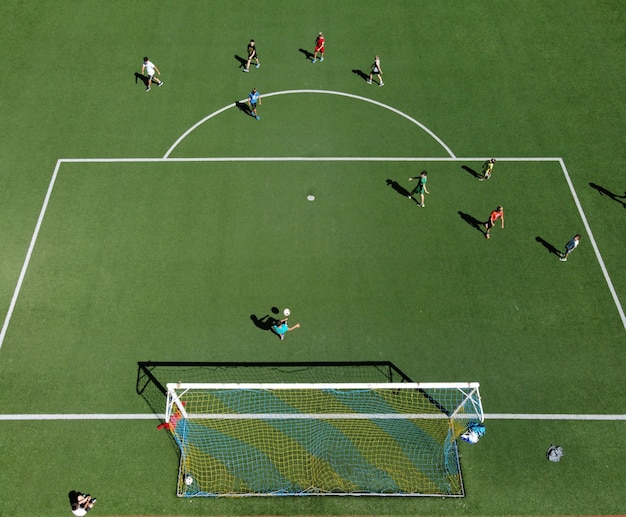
(281, 328)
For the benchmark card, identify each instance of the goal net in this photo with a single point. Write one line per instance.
(265, 439)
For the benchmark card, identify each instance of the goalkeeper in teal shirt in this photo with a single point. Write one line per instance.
(281, 328)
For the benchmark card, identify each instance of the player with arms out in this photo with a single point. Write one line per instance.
(319, 47)
(420, 188)
(496, 214)
(150, 68)
(282, 327)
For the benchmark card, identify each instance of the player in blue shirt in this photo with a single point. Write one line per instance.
(254, 97)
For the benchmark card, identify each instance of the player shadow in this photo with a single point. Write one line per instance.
(242, 61)
(550, 247)
(400, 189)
(609, 194)
(473, 222)
(266, 322)
(244, 108)
(144, 78)
(361, 74)
(471, 171)
(73, 496)
(307, 54)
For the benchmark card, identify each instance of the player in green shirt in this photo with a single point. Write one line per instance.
(420, 188)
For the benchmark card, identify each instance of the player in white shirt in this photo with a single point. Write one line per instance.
(150, 68)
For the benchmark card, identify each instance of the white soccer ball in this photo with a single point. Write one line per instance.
(286, 312)
(188, 480)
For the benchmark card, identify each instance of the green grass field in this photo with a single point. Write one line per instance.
(166, 260)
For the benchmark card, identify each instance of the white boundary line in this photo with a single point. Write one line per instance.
(308, 159)
(151, 416)
(326, 92)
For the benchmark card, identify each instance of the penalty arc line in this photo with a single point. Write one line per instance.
(326, 92)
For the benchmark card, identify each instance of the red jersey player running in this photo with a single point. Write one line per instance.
(498, 213)
(319, 47)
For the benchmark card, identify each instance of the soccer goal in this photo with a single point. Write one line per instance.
(264, 439)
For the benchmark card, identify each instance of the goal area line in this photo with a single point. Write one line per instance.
(153, 416)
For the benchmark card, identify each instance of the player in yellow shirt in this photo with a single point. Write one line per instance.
(487, 168)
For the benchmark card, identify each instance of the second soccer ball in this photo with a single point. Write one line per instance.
(286, 312)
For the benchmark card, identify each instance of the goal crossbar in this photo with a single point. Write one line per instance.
(320, 386)
(177, 390)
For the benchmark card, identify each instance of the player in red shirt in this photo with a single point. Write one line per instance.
(319, 47)
(496, 214)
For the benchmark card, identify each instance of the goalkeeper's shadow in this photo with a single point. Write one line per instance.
(265, 322)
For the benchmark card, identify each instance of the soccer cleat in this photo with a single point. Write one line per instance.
(148, 89)
(381, 84)
(258, 65)
(314, 61)
(282, 336)
(321, 59)
(258, 118)
(563, 259)
(487, 236)
(369, 82)
(246, 70)
(160, 84)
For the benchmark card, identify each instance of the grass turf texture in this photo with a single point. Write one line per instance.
(168, 262)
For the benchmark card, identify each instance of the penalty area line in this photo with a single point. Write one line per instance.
(152, 416)
(29, 253)
(594, 245)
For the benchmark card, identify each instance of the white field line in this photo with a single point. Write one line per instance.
(151, 416)
(308, 159)
(326, 92)
(29, 253)
(616, 300)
